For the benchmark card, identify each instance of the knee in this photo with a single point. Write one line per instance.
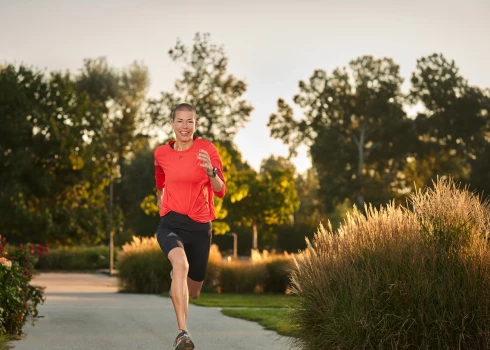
(180, 266)
(194, 294)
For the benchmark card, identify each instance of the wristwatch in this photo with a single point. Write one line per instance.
(215, 172)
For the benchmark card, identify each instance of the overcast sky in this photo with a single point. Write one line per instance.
(271, 45)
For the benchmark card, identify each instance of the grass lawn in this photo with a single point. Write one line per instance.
(269, 310)
(274, 319)
(245, 300)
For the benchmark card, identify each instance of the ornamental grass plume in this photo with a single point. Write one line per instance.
(399, 278)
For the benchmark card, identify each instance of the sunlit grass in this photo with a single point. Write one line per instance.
(269, 310)
(245, 300)
(272, 319)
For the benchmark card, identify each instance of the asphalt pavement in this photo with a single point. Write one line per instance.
(86, 312)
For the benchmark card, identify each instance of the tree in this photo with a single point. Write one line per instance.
(50, 161)
(141, 216)
(311, 210)
(310, 214)
(221, 111)
(120, 95)
(206, 84)
(454, 126)
(266, 198)
(356, 128)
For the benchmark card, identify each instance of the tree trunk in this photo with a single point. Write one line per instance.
(255, 236)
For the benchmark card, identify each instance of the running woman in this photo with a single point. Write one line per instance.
(188, 173)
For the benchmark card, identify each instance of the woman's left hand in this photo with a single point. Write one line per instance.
(205, 161)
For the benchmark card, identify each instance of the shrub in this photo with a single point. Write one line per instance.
(18, 299)
(275, 271)
(143, 268)
(277, 277)
(264, 272)
(240, 277)
(76, 259)
(211, 282)
(399, 279)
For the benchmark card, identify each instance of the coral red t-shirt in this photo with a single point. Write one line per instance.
(187, 188)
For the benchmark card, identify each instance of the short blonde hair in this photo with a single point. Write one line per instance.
(183, 107)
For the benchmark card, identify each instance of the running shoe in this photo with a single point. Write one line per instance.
(183, 341)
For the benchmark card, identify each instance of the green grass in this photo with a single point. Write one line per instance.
(273, 319)
(269, 310)
(5, 340)
(245, 300)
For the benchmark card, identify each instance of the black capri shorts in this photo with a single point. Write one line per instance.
(178, 230)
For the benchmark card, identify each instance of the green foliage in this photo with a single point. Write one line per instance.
(399, 279)
(356, 129)
(221, 110)
(18, 299)
(311, 210)
(5, 339)
(50, 175)
(480, 170)
(277, 278)
(120, 96)
(240, 277)
(206, 84)
(145, 273)
(267, 198)
(62, 135)
(268, 276)
(454, 127)
(273, 193)
(143, 268)
(76, 259)
(221, 224)
(140, 208)
(363, 146)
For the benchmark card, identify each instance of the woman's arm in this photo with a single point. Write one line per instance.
(160, 197)
(216, 181)
(208, 162)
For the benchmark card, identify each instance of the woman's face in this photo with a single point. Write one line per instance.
(184, 125)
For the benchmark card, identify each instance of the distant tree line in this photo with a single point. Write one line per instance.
(66, 136)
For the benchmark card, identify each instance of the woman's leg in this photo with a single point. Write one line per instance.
(198, 255)
(179, 286)
(194, 288)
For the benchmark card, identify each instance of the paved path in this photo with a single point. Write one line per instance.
(83, 311)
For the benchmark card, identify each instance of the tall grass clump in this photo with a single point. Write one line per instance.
(142, 266)
(398, 278)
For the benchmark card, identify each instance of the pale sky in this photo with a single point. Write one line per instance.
(271, 45)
